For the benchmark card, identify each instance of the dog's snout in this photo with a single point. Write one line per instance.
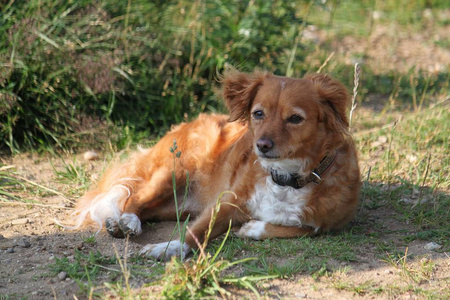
(264, 145)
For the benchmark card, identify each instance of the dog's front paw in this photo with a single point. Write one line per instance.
(164, 251)
(130, 224)
(113, 228)
(252, 229)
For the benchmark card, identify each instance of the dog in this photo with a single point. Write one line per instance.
(282, 164)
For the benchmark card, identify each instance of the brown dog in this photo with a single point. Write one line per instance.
(284, 153)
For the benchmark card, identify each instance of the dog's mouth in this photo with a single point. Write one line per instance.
(268, 157)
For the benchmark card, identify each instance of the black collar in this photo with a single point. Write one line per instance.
(296, 181)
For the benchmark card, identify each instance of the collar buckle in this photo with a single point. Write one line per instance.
(316, 178)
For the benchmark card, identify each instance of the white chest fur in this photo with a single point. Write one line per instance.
(277, 204)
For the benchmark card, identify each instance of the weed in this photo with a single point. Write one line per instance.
(9, 185)
(355, 92)
(181, 229)
(16, 189)
(127, 294)
(12, 296)
(418, 274)
(91, 239)
(367, 287)
(82, 266)
(201, 276)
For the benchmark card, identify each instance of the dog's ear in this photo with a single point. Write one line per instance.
(334, 100)
(238, 90)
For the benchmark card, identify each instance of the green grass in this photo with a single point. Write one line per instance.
(70, 71)
(10, 185)
(417, 274)
(84, 268)
(71, 67)
(114, 74)
(16, 189)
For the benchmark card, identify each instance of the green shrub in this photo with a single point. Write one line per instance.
(144, 64)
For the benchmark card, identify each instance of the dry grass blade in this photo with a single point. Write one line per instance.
(46, 188)
(325, 62)
(33, 204)
(355, 92)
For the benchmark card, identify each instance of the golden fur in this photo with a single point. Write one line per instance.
(299, 120)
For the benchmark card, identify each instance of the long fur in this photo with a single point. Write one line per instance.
(221, 153)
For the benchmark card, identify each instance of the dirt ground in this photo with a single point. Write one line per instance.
(30, 240)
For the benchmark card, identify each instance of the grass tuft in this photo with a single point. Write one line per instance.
(202, 275)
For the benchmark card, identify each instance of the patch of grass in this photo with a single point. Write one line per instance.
(357, 18)
(285, 269)
(203, 275)
(83, 266)
(71, 67)
(72, 173)
(17, 190)
(10, 185)
(367, 287)
(407, 170)
(288, 257)
(12, 296)
(75, 174)
(413, 273)
(91, 239)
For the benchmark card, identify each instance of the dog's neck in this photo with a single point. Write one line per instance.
(296, 180)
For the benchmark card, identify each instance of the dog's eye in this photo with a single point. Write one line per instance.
(258, 114)
(295, 119)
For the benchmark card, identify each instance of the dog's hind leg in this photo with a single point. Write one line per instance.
(102, 207)
(148, 195)
(105, 204)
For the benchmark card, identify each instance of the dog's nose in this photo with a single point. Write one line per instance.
(264, 145)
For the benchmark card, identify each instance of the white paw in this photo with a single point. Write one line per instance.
(252, 229)
(130, 224)
(164, 251)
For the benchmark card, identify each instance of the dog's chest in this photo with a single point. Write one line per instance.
(277, 204)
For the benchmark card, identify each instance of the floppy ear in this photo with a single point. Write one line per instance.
(334, 100)
(238, 90)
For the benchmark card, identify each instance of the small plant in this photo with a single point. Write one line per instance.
(419, 274)
(74, 174)
(83, 266)
(201, 276)
(117, 287)
(16, 189)
(367, 287)
(181, 229)
(91, 239)
(9, 185)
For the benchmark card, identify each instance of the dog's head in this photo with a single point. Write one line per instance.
(290, 118)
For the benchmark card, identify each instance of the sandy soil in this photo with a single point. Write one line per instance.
(30, 241)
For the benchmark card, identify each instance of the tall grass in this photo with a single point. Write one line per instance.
(69, 68)
(66, 66)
